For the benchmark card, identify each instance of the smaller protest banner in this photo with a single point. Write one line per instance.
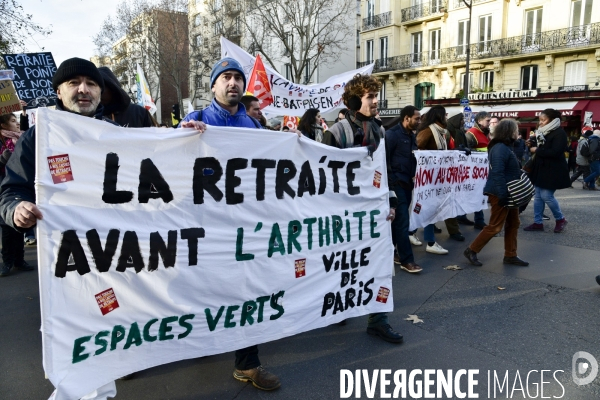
(144, 98)
(446, 184)
(33, 77)
(291, 122)
(9, 101)
(258, 85)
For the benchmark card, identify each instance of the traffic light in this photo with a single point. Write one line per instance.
(175, 115)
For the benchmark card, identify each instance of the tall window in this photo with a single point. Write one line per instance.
(383, 51)
(289, 41)
(463, 34)
(533, 28)
(436, 6)
(198, 40)
(217, 4)
(416, 46)
(486, 81)
(197, 20)
(485, 33)
(581, 12)
(461, 81)
(384, 6)
(529, 77)
(434, 46)
(370, 9)
(369, 52)
(217, 28)
(575, 73)
(307, 72)
(288, 72)
(382, 98)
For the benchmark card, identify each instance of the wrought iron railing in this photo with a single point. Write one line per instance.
(525, 44)
(424, 9)
(460, 3)
(377, 21)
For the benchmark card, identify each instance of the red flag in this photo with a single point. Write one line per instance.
(259, 86)
(291, 122)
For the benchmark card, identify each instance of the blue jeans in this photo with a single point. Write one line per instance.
(428, 233)
(400, 225)
(595, 169)
(542, 197)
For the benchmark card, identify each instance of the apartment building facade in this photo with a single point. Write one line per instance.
(525, 55)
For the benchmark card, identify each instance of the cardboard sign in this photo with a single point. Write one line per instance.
(9, 101)
(211, 243)
(33, 77)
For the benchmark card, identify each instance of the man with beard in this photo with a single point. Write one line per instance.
(78, 86)
(360, 128)
(401, 142)
(228, 83)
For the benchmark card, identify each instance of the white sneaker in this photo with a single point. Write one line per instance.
(436, 249)
(414, 240)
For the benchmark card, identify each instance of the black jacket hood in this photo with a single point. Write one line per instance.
(120, 98)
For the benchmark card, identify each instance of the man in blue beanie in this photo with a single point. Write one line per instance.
(228, 83)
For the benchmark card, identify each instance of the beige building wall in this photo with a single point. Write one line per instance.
(511, 47)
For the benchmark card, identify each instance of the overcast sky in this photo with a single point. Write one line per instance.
(74, 23)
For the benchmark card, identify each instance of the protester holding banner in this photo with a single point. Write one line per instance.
(310, 125)
(504, 167)
(360, 128)
(432, 136)
(550, 171)
(401, 142)
(118, 106)
(228, 83)
(13, 251)
(480, 133)
(456, 128)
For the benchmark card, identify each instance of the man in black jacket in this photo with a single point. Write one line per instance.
(118, 106)
(78, 86)
(402, 165)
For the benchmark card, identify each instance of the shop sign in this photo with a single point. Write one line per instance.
(508, 94)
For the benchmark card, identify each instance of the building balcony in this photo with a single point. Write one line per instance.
(524, 45)
(423, 10)
(377, 21)
(460, 3)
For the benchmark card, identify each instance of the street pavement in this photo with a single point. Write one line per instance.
(504, 321)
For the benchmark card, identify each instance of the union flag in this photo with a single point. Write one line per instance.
(259, 86)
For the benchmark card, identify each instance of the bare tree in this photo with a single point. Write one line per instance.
(154, 34)
(299, 33)
(16, 26)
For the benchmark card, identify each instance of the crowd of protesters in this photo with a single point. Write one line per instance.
(86, 90)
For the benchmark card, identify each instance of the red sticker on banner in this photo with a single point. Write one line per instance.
(417, 208)
(300, 266)
(60, 168)
(107, 301)
(377, 179)
(383, 294)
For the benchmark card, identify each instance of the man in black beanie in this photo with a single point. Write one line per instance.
(78, 86)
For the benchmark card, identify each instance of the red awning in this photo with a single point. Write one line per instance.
(590, 106)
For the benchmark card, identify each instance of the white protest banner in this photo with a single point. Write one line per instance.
(294, 99)
(447, 183)
(159, 245)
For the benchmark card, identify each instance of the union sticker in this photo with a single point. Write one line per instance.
(107, 301)
(60, 168)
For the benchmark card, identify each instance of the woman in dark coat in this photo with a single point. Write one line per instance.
(504, 167)
(310, 125)
(550, 171)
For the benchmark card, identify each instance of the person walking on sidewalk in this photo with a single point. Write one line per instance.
(550, 171)
(504, 167)
(402, 165)
(583, 163)
(594, 159)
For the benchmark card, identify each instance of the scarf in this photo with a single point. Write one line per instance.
(439, 134)
(368, 128)
(14, 136)
(318, 131)
(546, 129)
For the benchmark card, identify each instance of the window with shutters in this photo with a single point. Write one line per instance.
(434, 46)
(533, 30)
(383, 51)
(575, 73)
(463, 34)
(486, 81)
(485, 33)
(416, 45)
(369, 52)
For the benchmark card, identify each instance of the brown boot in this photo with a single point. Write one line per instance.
(260, 378)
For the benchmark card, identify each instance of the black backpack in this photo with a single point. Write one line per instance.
(594, 148)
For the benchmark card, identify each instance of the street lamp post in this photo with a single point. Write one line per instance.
(466, 78)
